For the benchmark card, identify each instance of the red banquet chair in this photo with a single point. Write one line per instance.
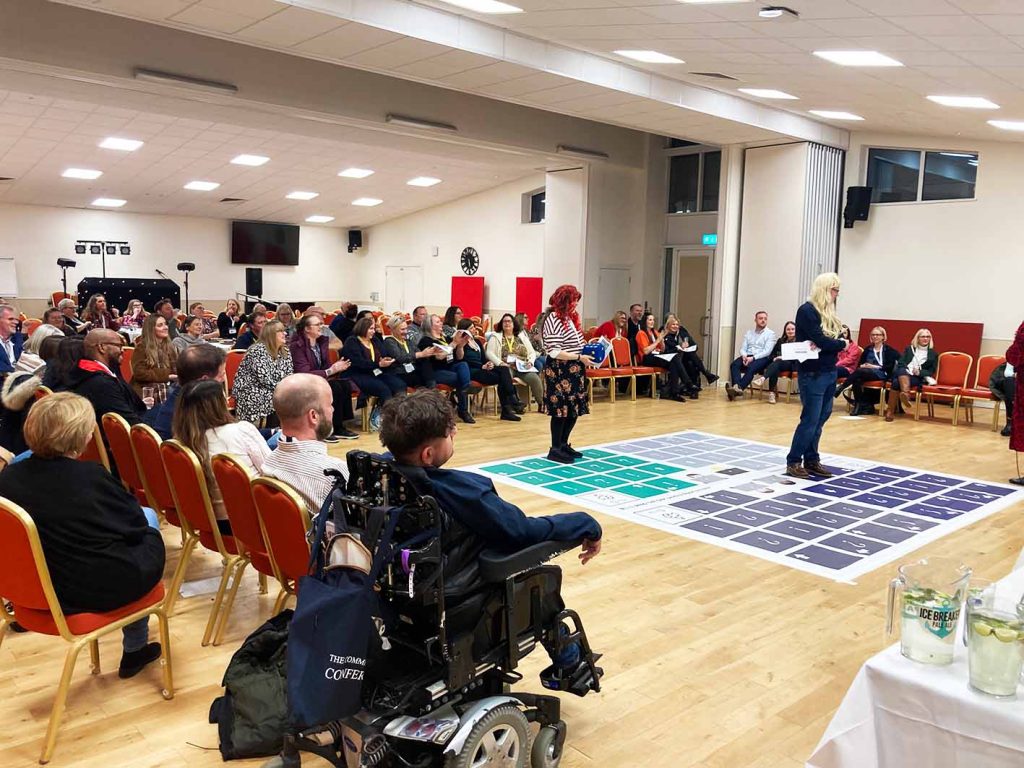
(980, 390)
(120, 441)
(950, 382)
(285, 522)
(25, 581)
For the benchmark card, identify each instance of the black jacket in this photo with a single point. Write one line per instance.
(342, 326)
(108, 394)
(889, 358)
(101, 552)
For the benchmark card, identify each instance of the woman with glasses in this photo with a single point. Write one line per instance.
(877, 363)
(310, 354)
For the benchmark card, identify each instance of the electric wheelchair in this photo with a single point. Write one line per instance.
(460, 619)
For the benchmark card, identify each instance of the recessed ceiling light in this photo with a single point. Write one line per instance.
(81, 173)
(778, 12)
(108, 202)
(302, 195)
(650, 57)
(423, 181)
(971, 155)
(356, 173)
(484, 6)
(966, 102)
(858, 58)
(829, 114)
(367, 202)
(766, 93)
(202, 186)
(319, 219)
(122, 145)
(709, 2)
(253, 160)
(1008, 125)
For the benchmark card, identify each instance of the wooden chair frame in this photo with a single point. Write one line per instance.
(288, 587)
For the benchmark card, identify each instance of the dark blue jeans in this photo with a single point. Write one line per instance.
(817, 389)
(755, 367)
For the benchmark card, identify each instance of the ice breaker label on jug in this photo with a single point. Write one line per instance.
(940, 620)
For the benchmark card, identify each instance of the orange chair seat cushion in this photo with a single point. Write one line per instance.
(42, 621)
(207, 540)
(978, 394)
(941, 390)
(875, 384)
(644, 370)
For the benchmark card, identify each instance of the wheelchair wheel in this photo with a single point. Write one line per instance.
(500, 739)
(545, 746)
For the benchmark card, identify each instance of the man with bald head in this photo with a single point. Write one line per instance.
(98, 377)
(304, 404)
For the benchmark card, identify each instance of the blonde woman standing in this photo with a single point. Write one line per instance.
(816, 322)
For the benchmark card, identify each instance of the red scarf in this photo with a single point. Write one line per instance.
(95, 366)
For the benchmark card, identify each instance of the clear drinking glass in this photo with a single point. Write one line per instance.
(995, 644)
(149, 396)
(161, 392)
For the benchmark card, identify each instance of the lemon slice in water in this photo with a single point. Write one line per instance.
(982, 628)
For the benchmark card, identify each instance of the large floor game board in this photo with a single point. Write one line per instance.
(731, 493)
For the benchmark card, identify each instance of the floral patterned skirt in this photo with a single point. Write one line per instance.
(565, 388)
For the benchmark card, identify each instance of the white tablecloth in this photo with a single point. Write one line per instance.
(898, 714)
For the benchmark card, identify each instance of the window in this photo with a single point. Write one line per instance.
(533, 206)
(693, 182)
(894, 175)
(680, 144)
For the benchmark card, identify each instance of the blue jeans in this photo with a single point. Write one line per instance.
(755, 367)
(134, 636)
(817, 389)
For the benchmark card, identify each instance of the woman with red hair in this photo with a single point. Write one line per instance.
(565, 393)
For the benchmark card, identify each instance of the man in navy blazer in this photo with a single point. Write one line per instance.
(11, 341)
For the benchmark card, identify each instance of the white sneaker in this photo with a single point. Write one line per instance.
(771, 398)
(758, 381)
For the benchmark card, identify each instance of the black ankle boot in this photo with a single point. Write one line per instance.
(711, 377)
(507, 414)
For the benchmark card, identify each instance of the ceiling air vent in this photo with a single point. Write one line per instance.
(715, 75)
(233, 200)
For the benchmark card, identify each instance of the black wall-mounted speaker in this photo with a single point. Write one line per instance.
(355, 239)
(254, 281)
(858, 205)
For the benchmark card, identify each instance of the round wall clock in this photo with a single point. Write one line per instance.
(470, 260)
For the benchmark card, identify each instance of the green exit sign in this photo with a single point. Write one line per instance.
(709, 238)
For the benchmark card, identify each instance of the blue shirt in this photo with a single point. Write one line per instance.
(758, 345)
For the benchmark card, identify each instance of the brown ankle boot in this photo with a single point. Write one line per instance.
(890, 408)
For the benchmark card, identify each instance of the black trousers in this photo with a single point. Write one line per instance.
(1005, 393)
(341, 396)
(676, 372)
(501, 376)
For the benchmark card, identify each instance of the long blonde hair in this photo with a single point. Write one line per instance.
(917, 335)
(158, 353)
(269, 337)
(821, 300)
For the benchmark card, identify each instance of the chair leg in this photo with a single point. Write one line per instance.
(179, 573)
(59, 701)
(590, 392)
(632, 388)
(654, 385)
(94, 656)
(917, 406)
(3, 630)
(956, 408)
(263, 584)
(282, 598)
(229, 567)
(613, 384)
(227, 605)
(995, 415)
(165, 654)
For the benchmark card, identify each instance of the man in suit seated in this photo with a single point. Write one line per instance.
(11, 341)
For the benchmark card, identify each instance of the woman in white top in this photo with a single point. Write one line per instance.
(202, 423)
(511, 346)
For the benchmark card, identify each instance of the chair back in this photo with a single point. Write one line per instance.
(58, 296)
(590, 333)
(234, 481)
(126, 363)
(620, 351)
(285, 521)
(231, 364)
(987, 364)
(24, 576)
(95, 450)
(953, 369)
(191, 493)
(146, 443)
(29, 326)
(333, 355)
(271, 314)
(41, 392)
(119, 439)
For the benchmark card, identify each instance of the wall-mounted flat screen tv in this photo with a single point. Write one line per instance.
(260, 242)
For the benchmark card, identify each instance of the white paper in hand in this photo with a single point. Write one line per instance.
(667, 357)
(799, 350)
(524, 367)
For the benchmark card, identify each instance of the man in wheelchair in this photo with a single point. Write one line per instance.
(460, 609)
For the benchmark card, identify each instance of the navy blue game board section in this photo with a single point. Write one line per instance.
(732, 493)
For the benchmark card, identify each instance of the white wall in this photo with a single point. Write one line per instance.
(565, 230)
(490, 221)
(954, 260)
(37, 236)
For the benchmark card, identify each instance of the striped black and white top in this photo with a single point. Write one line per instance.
(558, 336)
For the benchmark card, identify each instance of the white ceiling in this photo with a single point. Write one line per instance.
(949, 47)
(41, 136)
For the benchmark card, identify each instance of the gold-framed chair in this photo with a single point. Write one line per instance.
(285, 522)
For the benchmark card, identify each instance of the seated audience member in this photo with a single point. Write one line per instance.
(309, 351)
(97, 377)
(210, 330)
(452, 316)
(535, 332)
(285, 315)
(614, 328)
(195, 363)
(102, 550)
(877, 363)
(264, 365)
(636, 312)
(133, 315)
(650, 343)
(777, 365)
(414, 330)
(303, 403)
(72, 321)
(411, 365)
(155, 356)
(326, 332)
(257, 322)
(1002, 384)
(11, 341)
(165, 309)
(192, 334)
(55, 318)
(419, 431)
(202, 422)
(57, 374)
(259, 307)
(230, 320)
(342, 325)
(848, 360)
(755, 356)
(371, 369)
(30, 357)
(449, 368)
(510, 346)
(97, 314)
(682, 340)
(18, 393)
(916, 367)
(486, 373)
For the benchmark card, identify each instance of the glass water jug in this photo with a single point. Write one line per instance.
(931, 596)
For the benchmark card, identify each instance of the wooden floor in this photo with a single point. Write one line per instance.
(712, 658)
